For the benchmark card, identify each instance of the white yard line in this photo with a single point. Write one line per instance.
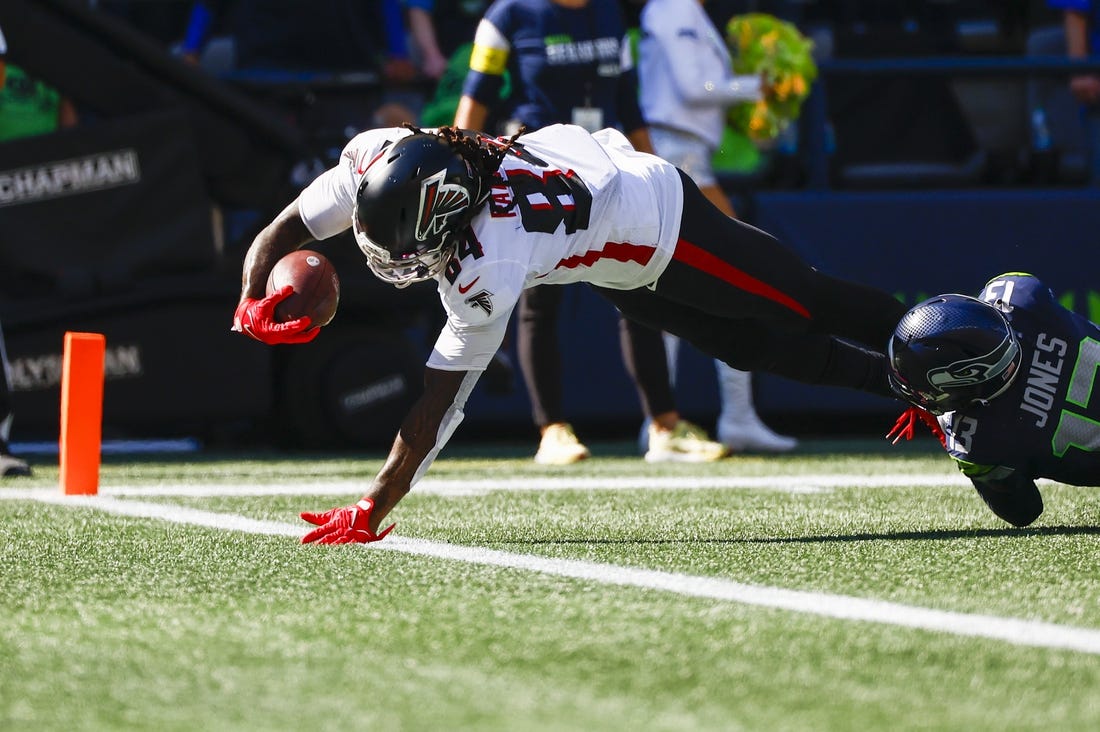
(1019, 632)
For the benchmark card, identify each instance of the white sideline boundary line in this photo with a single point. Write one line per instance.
(1014, 631)
(445, 487)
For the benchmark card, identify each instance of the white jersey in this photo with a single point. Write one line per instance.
(685, 75)
(568, 206)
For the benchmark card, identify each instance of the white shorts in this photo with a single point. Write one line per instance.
(687, 152)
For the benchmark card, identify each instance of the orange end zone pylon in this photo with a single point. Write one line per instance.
(81, 412)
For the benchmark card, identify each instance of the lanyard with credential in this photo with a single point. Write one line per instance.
(589, 116)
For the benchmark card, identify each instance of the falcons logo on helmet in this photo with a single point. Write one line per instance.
(439, 202)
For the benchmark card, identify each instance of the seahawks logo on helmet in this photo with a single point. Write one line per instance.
(439, 202)
(997, 364)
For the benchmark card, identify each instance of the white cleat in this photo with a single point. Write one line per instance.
(752, 435)
(684, 443)
(739, 427)
(559, 446)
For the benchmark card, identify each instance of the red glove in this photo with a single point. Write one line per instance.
(346, 525)
(256, 318)
(908, 419)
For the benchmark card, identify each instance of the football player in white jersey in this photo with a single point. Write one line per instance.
(487, 217)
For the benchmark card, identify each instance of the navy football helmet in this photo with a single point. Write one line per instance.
(952, 351)
(412, 202)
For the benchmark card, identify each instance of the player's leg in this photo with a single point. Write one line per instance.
(752, 345)
(668, 437)
(537, 348)
(540, 363)
(730, 269)
(852, 310)
(647, 363)
(739, 428)
(692, 155)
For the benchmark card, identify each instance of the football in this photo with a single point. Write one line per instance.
(316, 287)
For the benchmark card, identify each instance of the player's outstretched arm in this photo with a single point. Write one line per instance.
(424, 431)
(426, 428)
(283, 235)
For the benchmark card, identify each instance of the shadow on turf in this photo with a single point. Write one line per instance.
(892, 536)
(935, 535)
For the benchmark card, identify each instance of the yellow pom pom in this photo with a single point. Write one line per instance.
(764, 45)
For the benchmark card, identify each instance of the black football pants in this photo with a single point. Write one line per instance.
(741, 296)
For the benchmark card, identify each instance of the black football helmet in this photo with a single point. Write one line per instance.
(413, 200)
(952, 351)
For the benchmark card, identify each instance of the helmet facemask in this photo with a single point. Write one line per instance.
(405, 269)
(411, 208)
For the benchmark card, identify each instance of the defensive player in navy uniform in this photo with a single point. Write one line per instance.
(1010, 376)
(488, 217)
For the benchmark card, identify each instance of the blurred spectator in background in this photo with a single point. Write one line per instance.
(160, 21)
(9, 464)
(29, 106)
(1082, 24)
(687, 82)
(565, 60)
(442, 33)
(439, 28)
(321, 36)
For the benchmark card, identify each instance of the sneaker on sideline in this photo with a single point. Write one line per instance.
(13, 467)
(684, 443)
(750, 434)
(559, 446)
(739, 426)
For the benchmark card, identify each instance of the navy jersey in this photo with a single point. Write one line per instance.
(559, 59)
(1047, 425)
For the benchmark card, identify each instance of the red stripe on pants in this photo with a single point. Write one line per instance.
(704, 261)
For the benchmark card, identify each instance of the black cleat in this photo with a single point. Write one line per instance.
(1018, 504)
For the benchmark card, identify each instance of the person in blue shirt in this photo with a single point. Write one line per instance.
(568, 62)
(1010, 378)
(329, 36)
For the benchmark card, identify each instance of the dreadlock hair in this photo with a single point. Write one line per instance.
(484, 154)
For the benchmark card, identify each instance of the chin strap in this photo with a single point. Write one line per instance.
(908, 419)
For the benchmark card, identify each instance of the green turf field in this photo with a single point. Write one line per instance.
(850, 586)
